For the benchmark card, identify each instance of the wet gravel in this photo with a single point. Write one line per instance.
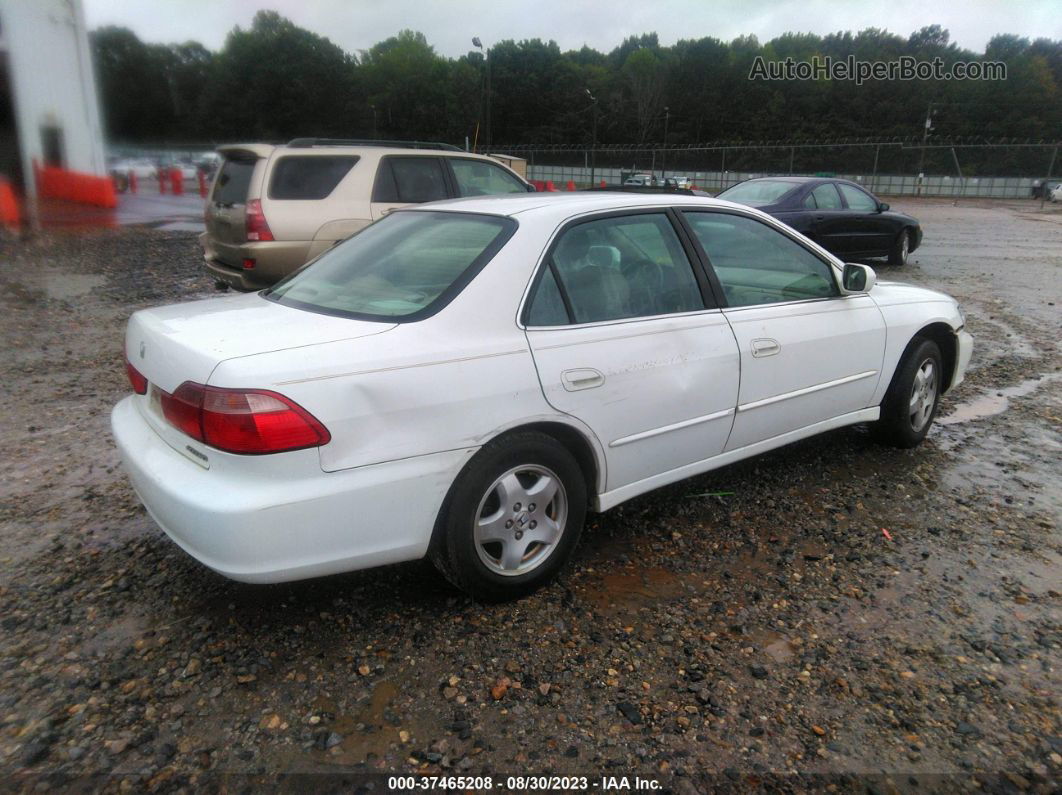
(831, 614)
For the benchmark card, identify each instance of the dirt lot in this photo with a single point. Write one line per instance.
(845, 614)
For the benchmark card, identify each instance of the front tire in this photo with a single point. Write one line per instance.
(901, 248)
(512, 518)
(911, 403)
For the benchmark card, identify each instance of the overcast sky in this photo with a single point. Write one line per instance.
(449, 25)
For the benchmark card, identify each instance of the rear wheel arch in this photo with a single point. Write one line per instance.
(573, 440)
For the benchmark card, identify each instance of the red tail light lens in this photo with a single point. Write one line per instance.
(257, 228)
(139, 382)
(246, 421)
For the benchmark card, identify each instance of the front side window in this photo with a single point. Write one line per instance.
(757, 264)
(857, 199)
(478, 178)
(410, 180)
(615, 268)
(308, 176)
(405, 266)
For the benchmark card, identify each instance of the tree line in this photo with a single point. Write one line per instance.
(275, 81)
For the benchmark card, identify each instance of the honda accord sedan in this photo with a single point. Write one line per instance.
(465, 380)
(841, 216)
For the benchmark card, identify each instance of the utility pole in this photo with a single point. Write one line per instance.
(593, 136)
(663, 158)
(486, 115)
(925, 138)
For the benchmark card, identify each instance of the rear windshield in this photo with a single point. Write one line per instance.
(758, 191)
(406, 266)
(233, 180)
(308, 176)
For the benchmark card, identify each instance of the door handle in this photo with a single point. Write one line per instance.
(819, 217)
(586, 378)
(765, 347)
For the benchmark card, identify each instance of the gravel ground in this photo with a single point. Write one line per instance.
(844, 615)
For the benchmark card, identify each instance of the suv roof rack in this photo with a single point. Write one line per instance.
(650, 189)
(306, 142)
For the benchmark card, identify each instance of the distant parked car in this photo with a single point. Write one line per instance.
(636, 180)
(465, 380)
(1056, 193)
(273, 208)
(677, 182)
(841, 216)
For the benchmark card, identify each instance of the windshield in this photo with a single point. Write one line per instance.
(758, 191)
(406, 266)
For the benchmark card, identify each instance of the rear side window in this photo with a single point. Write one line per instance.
(477, 178)
(234, 180)
(410, 180)
(309, 177)
(825, 197)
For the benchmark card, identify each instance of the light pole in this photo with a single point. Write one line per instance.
(593, 137)
(663, 158)
(375, 135)
(486, 115)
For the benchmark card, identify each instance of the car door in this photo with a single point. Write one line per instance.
(869, 231)
(827, 218)
(412, 179)
(808, 353)
(627, 338)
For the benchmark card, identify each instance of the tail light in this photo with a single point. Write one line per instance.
(247, 421)
(257, 228)
(136, 378)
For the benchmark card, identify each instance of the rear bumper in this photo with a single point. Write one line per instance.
(275, 518)
(272, 261)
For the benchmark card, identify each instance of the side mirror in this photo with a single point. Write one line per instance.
(882, 207)
(531, 188)
(858, 278)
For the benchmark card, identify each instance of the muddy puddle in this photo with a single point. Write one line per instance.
(995, 402)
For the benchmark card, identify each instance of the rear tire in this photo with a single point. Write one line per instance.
(911, 403)
(512, 518)
(901, 248)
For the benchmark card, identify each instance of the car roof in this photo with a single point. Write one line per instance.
(566, 205)
(265, 150)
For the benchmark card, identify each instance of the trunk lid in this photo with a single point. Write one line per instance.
(185, 342)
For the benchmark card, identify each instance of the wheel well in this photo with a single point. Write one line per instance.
(576, 444)
(944, 336)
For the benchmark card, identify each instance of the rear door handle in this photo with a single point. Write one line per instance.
(585, 378)
(765, 347)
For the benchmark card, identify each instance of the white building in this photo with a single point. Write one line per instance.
(48, 104)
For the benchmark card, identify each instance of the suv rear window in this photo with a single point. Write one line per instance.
(233, 180)
(405, 266)
(308, 177)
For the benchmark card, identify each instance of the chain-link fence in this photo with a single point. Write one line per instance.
(997, 169)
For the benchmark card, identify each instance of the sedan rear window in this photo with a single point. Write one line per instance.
(309, 176)
(404, 267)
(233, 181)
(758, 191)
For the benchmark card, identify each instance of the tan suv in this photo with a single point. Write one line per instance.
(273, 208)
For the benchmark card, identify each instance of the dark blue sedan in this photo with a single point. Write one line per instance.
(839, 215)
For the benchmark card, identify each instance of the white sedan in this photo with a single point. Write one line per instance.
(466, 379)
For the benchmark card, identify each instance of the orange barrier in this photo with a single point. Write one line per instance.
(177, 178)
(603, 184)
(75, 186)
(549, 185)
(202, 184)
(10, 216)
(571, 185)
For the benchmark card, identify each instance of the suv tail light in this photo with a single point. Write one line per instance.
(136, 378)
(247, 421)
(257, 228)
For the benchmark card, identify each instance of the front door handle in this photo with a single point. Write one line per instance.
(765, 347)
(585, 378)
